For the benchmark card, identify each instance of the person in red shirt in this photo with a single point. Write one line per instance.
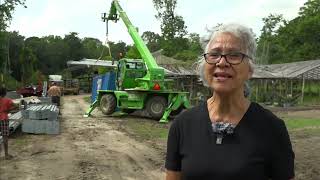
(6, 105)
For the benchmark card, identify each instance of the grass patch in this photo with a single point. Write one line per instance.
(148, 129)
(302, 123)
(20, 142)
(87, 99)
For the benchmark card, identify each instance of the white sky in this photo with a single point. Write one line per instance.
(59, 17)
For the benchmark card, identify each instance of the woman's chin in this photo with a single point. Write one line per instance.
(222, 90)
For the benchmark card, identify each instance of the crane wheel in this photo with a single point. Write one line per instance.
(108, 104)
(156, 106)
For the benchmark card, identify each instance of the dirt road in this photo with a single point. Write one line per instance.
(87, 148)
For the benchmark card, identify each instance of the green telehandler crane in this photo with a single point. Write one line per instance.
(140, 83)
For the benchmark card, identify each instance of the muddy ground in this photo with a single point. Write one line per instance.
(87, 149)
(104, 148)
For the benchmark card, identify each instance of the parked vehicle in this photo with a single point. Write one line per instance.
(140, 83)
(71, 86)
(30, 90)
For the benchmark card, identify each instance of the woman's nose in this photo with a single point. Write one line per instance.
(222, 62)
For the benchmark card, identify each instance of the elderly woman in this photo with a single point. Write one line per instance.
(228, 137)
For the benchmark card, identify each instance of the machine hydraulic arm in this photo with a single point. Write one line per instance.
(114, 13)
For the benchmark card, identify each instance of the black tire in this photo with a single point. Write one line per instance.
(156, 106)
(108, 104)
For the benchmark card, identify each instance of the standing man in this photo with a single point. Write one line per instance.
(55, 93)
(6, 105)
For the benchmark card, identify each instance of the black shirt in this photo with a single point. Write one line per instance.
(259, 149)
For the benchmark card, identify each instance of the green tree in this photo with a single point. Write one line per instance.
(173, 27)
(194, 43)
(27, 62)
(55, 54)
(74, 45)
(289, 41)
(133, 53)
(152, 40)
(6, 9)
(267, 45)
(118, 50)
(310, 8)
(15, 48)
(93, 48)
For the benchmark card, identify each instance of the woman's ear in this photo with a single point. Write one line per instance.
(250, 74)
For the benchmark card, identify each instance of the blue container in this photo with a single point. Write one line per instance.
(103, 82)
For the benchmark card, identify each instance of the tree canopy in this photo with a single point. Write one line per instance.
(280, 41)
(289, 41)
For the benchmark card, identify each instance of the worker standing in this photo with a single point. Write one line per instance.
(6, 105)
(54, 92)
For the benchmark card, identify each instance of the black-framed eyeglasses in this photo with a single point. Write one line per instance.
(233, 58)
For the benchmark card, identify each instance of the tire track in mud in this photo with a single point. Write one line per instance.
(104, 153)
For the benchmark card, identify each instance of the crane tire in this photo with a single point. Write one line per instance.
(156, 106)
(108, 104)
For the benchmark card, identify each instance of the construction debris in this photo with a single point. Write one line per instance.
(41, 119)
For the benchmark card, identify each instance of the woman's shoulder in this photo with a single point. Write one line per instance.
(192, 114)
(265, 116)
(257, 108)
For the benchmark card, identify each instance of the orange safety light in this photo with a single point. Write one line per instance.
(156, 87)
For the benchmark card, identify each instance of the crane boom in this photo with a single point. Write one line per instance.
(142, 48)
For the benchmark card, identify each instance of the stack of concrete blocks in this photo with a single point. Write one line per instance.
(41, 119)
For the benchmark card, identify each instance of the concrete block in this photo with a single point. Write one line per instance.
(41, 126)
(28, 126)
(53, 127)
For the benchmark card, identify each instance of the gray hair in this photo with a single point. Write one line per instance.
(247, 40)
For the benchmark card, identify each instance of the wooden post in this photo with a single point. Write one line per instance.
(291, 90)
(302, 93)
(257, 89)
(191, 88)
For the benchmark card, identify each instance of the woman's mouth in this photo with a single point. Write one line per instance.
(222, 76)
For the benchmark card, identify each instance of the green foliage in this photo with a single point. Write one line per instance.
(133, 53)
(194, 43)
(152, 40)
(93, 48)
(147, 130)
(27, 62)
(9, 82)
(310, 8)
(75, 50)
(15, 48)
(6, 9)
(118, 49)
(186, 55)
(173, 27)
(291, 41)
(267, 48)
(87, 99)
(302, 123)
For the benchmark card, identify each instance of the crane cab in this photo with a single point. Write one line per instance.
(129, 70)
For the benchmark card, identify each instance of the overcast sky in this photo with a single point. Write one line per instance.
(59, 17)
